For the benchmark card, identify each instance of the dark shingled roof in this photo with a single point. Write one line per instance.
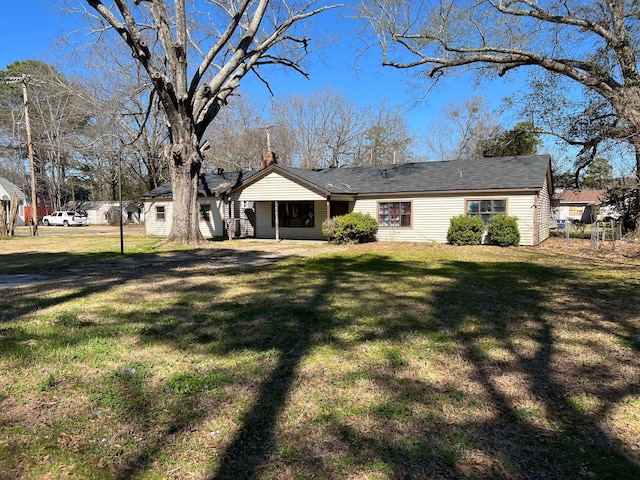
(484, 174)
(500, 173)
(209, 185)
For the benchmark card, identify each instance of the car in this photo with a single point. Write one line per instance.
(65, 218)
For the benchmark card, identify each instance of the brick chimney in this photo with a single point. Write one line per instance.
(268, 158)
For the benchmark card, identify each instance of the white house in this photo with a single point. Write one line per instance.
(6, 191)
(212, 196)
(578, 205)
(103, 212)
(412, 202)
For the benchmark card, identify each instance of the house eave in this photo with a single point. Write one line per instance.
(506, 191)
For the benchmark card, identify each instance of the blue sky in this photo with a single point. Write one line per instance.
(28, 29)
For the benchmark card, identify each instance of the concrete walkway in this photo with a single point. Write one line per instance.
(22, 279)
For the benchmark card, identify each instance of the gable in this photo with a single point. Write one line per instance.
(275, 186)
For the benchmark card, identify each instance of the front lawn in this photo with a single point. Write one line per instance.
(264, 360)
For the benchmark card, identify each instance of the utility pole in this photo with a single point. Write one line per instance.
(34, 204)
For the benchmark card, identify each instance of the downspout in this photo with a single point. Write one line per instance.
(230, 221)
(536, 220)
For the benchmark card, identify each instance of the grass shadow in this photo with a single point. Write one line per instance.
(354, 365)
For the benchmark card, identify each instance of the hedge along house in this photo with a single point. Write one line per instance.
(411, 202)
(214, 207)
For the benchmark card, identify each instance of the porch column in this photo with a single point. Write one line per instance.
(328, 208)
(277, 221)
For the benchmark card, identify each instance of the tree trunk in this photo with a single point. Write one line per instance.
(184, 160)
(627, 106)
(636, 148)
(3, 219)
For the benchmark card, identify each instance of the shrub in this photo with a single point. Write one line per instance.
(353, 227)
(465, 230)
(113, 216)
(503, 231)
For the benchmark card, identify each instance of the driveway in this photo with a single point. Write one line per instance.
(89, 229)
(19, 280)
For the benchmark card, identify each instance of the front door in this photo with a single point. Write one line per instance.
(338, 208)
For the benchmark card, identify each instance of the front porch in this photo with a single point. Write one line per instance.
(296, 219)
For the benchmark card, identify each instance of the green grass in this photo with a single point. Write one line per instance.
(363, 361)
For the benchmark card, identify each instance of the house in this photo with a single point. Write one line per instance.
(577, 205)
(105, 212)
(214, 209)
(412, 202)
(6, 191)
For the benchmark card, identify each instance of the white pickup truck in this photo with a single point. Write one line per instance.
(65, 218)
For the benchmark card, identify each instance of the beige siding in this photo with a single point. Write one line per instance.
(212, 228)
(264, 228)
(544, 213)
(524, 207)
(431, 216)
(276, 187)
(153, 226)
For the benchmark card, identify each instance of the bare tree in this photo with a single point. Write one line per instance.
(460, 129)
(195, 55)
(325, 125)
(60, 111)
(237, 137)
(594, 44)
(329, 130)
(128, 131)
(386, 138)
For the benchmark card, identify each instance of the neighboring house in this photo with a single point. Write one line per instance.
(99, 213)
(6, 191)
(412, 202)
(577, 205)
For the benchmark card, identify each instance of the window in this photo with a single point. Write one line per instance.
(575, 211)
(205, 213)
(160, 214)
(394, 214)
(485, 209)
(293, 214)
